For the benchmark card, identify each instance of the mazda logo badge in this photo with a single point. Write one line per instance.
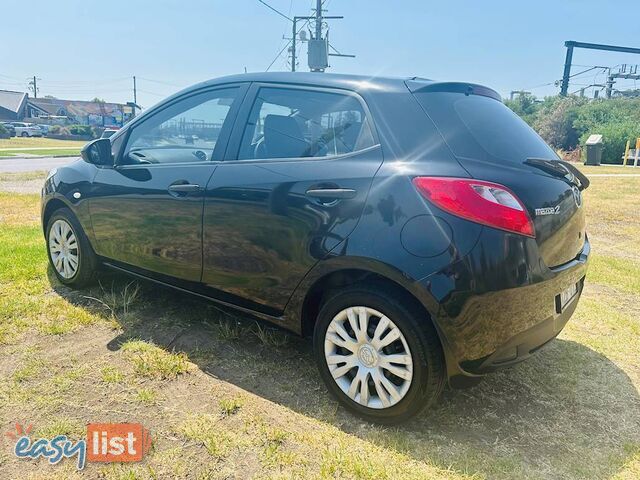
(577, 196)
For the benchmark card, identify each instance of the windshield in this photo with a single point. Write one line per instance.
(482, 128)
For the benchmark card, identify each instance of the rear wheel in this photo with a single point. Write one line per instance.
(24, 134)
(380, 358)
(74, 262)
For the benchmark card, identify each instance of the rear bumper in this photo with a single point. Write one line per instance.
(500, 304)
(521, 346)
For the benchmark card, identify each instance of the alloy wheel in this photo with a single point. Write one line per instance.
(368, 357)
(63, 247)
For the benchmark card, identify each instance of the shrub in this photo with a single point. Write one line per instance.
(3, 130)
(80, 130)
(566, 122)
(555, 121)
(59, 130)
(615, 136)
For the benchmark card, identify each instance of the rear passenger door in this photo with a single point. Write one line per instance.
(292, 186)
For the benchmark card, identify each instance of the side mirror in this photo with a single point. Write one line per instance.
(98, 152)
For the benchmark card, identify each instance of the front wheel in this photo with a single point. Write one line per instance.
(72, 258)
(380, 357)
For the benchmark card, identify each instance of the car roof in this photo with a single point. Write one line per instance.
(364, 84)
(332, 80)
(358, 83)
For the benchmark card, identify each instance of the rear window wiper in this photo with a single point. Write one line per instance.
(560, 169)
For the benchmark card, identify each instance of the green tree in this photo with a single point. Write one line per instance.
(555, 121)
(525, 106)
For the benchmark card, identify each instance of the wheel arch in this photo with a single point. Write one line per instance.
(50, 208)
(301, 313)
(306, 301)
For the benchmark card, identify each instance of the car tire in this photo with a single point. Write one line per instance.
(71, 257)
(24, 134)
(394, 398)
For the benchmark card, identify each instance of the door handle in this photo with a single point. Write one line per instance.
(184, 188)
(331, 193)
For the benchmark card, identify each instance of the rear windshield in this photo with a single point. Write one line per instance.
(479, 127)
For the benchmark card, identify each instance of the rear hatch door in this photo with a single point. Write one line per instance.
(492, 143)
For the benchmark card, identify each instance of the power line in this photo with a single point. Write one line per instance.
(151, 93)
(587, 70)
(278, 55)
(273, 9)
(161, 82)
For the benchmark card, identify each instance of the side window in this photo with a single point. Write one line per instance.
(116, 144)
(293, 123)
(187, 131)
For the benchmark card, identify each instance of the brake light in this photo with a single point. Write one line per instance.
(478, 201)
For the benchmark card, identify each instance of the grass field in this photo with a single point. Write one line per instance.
(225, 397)
(10, 147)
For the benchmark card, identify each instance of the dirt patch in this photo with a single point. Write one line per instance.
(21, 186)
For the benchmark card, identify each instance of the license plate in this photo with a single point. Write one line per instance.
(567, 295)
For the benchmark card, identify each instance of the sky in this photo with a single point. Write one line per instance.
(81, 49)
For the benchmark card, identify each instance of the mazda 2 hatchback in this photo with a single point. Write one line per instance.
(418, 231)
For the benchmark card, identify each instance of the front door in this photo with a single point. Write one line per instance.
(146, 212)
(293, 186)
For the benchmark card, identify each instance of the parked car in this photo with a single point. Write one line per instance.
(10, 128)
(418, 231)
(108, 133)
(44, 128)
(27, 129)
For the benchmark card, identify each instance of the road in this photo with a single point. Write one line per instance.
(9, 165)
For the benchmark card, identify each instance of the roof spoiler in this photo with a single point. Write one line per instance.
(422, 86)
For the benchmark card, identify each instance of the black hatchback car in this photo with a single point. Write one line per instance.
(418, 231)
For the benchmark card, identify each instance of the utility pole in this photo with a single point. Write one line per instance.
(318, 19)
(610, 83)
(317, 51)
(294, 33)
(519, 93)
(318, 47)
(294, 39)
(33, 86)
(135, 96)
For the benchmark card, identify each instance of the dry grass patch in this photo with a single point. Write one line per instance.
(152, 361)
(19, 210)
(30, 370)
(111, 374)
(62, 426)
(607, 169)
(39, 142)
(146, 396)
(620, 273)
(206, 430)
(230, 406)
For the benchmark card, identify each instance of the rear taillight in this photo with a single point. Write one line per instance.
(482, 202)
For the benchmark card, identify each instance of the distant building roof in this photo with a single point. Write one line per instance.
(12, 101)
(45, 107)
(58, 106)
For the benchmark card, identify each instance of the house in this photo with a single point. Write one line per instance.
(99, 114)
(18, 106)
(12, 105)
